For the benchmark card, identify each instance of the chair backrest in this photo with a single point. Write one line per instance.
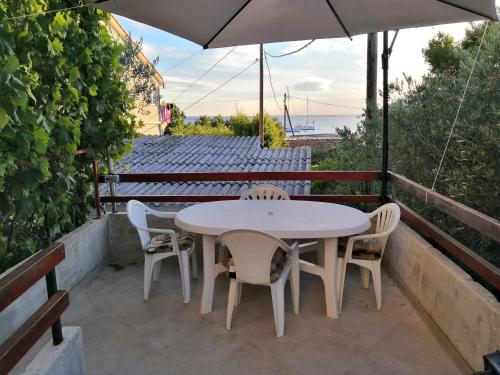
(136, 212)
(252, 253)
(387, 220)
(265, 192)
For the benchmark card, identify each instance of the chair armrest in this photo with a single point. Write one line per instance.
(367, 236)
(352, 239)
(162, 214)
(170, 232)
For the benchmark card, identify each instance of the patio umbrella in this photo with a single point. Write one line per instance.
(223, 23)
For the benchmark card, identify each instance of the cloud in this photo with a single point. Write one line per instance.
(152, 51)
(312, 84)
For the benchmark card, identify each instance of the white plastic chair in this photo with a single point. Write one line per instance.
(259, 192)
(265, 192)
(368, 254)
(167, 244)
(252, 253)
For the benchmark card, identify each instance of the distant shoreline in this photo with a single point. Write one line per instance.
(324, 124)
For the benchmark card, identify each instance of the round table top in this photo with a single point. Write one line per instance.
(287, 219)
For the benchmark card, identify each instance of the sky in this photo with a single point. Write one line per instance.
(331, 71)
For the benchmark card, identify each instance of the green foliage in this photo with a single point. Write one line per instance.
(199, 129)
(61, 90)
(421, 117)
(138, 76)
(237, 125)
(442, 53)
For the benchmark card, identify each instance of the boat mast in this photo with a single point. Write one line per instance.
(307, 111)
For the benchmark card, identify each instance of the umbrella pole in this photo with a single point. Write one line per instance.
(261, 97)
(385, 131)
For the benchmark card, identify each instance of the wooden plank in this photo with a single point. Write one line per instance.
(489, 272)
(361, 198)
(211, 198)
(17, 345)
(27, 273)
(484, 224)
(249, 176)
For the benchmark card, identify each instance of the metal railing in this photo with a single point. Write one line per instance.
(13, 284)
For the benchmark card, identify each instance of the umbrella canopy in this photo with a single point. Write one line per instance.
(223, 23)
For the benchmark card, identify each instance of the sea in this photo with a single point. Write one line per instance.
(323, 124)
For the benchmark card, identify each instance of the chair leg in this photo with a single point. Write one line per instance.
(365, 277)
(377, 283)
(295, 282)
(342, 282)
(185, 279)
(233, 286)
(194, 263)
(148, 273)
(239, 288)
(321, 255)
(278, 296)
(156, 271)
(340, 268)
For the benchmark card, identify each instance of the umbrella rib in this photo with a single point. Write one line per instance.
(466, 9)
(226, 24)
(338, 19)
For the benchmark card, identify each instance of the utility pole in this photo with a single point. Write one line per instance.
(284, 112)
(261, 99)
(385, 128)
(371, 75)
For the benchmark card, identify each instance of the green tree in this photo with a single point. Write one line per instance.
(442, 54)
(61, 90)
(243, 125)
(237, 125)
(137, 75)
(177, 119)
(421, 116)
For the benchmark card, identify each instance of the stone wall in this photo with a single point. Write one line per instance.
(467, 314)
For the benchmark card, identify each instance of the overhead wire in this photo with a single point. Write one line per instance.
(221, 85)
(182, 61)
(271, 82)
(459, 107)
(324, 103)
(228, 100)
(291, 53)
(204, 74)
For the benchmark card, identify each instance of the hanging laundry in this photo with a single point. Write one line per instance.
(165, 113)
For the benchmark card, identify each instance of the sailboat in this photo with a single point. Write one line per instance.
(307, 125)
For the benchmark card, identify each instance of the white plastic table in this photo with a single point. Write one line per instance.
(286, 219)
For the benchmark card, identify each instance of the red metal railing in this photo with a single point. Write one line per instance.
(472, 218)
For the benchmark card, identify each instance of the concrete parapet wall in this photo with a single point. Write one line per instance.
(86, 247)
(467, 313)
(64, 359)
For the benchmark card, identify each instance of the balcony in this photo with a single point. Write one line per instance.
(435, 318)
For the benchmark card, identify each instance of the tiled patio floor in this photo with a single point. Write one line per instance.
(125, 335)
